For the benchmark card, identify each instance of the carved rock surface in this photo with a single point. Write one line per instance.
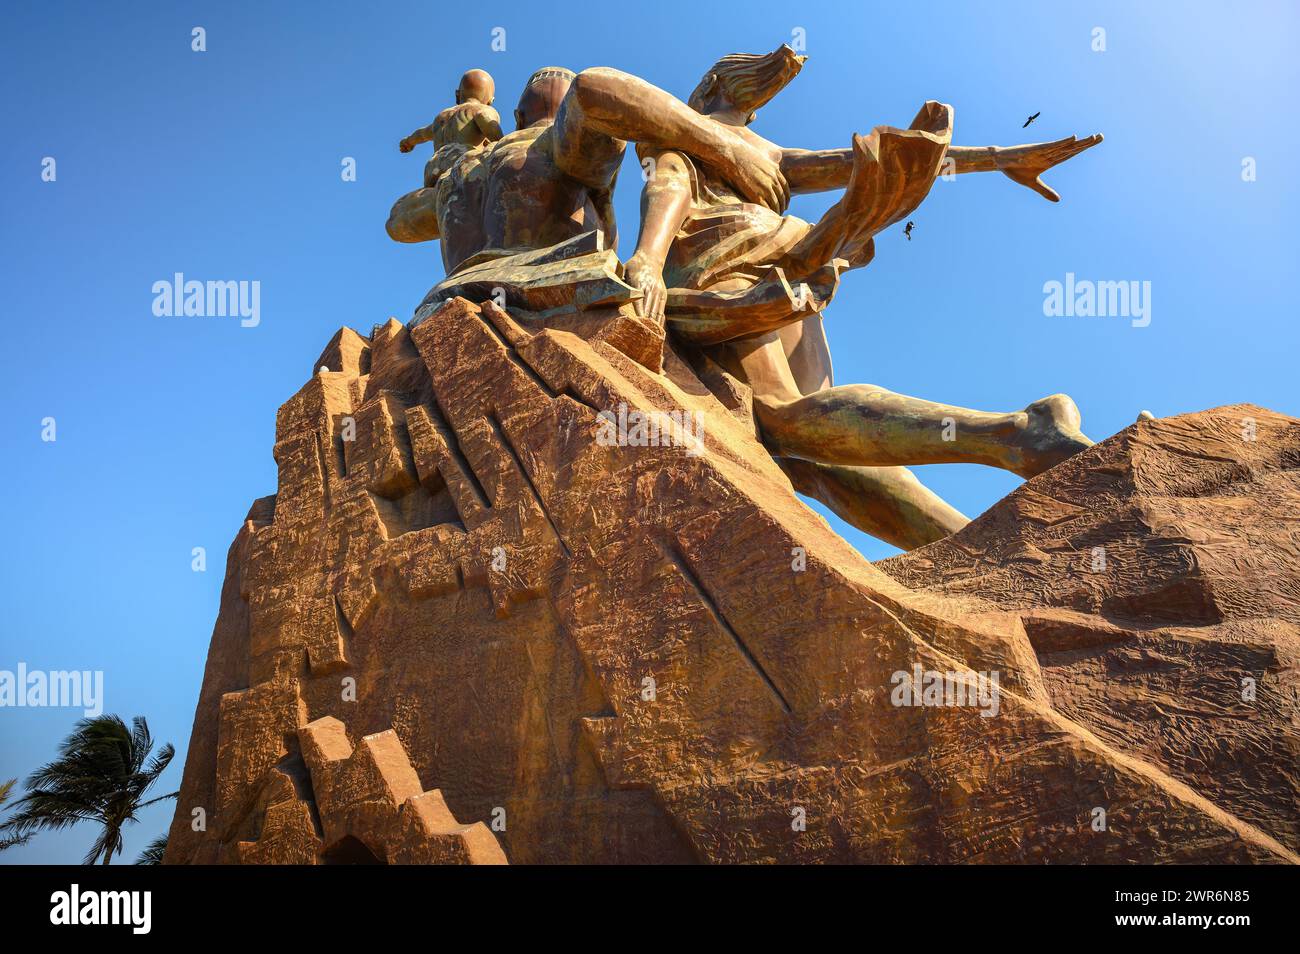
(660, 654)
(1158, 578)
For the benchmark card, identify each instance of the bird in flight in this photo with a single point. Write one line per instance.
(1031, 119)
(908, 230)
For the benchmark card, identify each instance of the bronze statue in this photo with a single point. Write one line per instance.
(733, 277)
(748, 285)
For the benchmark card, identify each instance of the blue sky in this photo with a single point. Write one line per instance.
(226, 165)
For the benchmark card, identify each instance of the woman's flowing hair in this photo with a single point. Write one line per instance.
(750, 80)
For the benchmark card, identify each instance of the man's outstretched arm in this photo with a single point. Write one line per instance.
(823, 170)
(605, 106)
(816, 170)
(1023, 164)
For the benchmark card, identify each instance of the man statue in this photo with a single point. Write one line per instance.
(747, 285)
(552, 179)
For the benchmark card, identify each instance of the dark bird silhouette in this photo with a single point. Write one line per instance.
(908, 230)
(1032, 118)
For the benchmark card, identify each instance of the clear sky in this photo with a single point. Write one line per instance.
(226, 165)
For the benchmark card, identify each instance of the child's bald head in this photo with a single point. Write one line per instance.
(476, 85)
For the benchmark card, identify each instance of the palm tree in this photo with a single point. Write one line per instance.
(9, 842)
(153, 853)
(102, 775)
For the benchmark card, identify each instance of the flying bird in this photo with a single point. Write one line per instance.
(1032, 118)
(908, 230)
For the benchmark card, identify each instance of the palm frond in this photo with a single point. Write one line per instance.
(158, 764)
(141, 743)
(153, 852)
(160, 798)
(101, 775)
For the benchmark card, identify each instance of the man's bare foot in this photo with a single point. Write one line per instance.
(1050, 435)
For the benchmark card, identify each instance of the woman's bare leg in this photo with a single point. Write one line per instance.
(867, 426)
(886, 502)
(808, 354)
